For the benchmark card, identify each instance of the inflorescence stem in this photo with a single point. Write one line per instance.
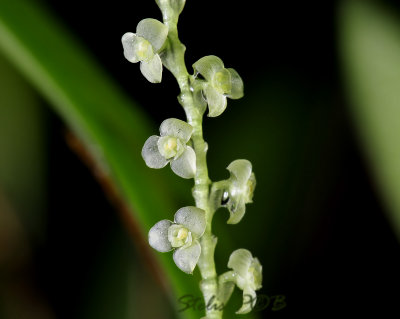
(202, 182)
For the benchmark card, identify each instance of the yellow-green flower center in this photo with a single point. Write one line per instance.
(222, 81)
(179, 236)
(170, 145)
(144, 50)
(182, 234)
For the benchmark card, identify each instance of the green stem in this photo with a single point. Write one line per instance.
(175, 62)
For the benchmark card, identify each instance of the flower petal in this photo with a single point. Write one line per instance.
(151, 155)
(249, 301)
(198, 97)
(237, 85)
(226, 284)
(186, 257)
(153, 31)
(256, 270)
(240, 261)
(185, 165)
(152, 69)
(207, 66)
(216, 101)
(222, 81)
(237, 209)
(177, 128)
(129, 40)
(136, 48)
(158, 236)
(241, 170)
(193, 218)
(251, 185)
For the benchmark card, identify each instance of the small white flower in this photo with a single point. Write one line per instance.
(182, 235)
(170, 147)
(247, 273)
(144, 46)
(241, 188)
(219, 84)
(237, 191)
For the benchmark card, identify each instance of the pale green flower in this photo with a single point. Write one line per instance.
(182, 235)
(219, 84)
(144, 47)
(171, 147)
(237, 191)
(246, 274)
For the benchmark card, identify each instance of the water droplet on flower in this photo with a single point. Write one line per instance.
(225, 198)
(181, 99)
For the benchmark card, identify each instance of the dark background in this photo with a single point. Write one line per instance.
(317, 223)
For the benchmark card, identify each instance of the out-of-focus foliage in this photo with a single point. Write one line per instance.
(21, 137)
(111, 127)
(370, 47)
(22, 195)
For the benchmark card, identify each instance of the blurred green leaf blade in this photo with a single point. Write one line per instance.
(112, 128)
(369, 37)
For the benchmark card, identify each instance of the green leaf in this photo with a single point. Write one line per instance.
(370, 43)
(23, 185)
(111, 127)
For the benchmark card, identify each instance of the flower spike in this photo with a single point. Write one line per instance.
(156, 45)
